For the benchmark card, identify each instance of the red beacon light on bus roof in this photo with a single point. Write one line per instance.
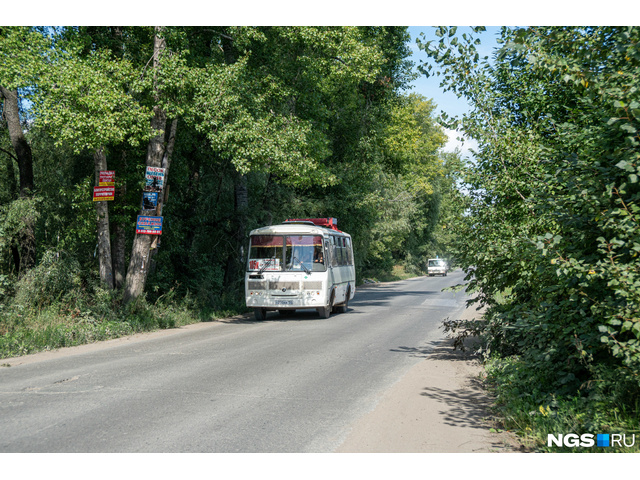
(328, 222)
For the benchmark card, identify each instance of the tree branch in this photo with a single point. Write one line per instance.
(9, 153)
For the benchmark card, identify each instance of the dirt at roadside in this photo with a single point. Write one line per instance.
(438, 406)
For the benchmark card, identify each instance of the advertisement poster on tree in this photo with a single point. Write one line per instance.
(107, 178)
(101, 194)
(149, 225)
(154, 179)
(149, 200)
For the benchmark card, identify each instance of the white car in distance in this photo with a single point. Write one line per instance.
(436, 266)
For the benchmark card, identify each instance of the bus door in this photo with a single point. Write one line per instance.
(330, 256)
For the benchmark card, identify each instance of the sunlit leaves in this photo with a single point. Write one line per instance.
(339, 53)
(411, 141)
(232, 109)
(554, 218)
(21, 52)
(91, 101)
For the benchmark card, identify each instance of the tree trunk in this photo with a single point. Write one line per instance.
(140, 252)
(139, 262)
(20, 145)
(241, 206)
(241, 192)
(119, 249)
(170, 138)
(12, 186)
(26, 237)
(119, 229)
(104, 237)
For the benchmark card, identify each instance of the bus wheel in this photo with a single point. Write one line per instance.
(260, 313)
(345, 306)
(325, 312)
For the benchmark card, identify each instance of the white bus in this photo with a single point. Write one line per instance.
(302, 263)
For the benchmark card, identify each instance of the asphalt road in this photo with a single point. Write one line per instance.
(287, 384)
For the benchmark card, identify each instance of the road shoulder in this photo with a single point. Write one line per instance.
(438, 406)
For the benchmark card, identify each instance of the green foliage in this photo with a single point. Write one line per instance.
(524, 405)
(49, 282)
(13, 218)
(21, 50)
(6, 287)
(313, 120)
(88, 102)
(554, 212)
(240, 126)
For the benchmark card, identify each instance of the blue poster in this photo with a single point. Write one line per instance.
(149, 200)
(149, 225)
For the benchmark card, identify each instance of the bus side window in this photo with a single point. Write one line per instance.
(334, 251)
(327, 253)
(349, 251)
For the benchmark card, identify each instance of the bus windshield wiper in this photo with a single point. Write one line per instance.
(266, 264)
(302, 265)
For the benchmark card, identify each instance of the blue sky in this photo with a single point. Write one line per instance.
(430, 87)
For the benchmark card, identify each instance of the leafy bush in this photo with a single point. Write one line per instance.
(6, 287)
(57, 277)
(555, 208)
(523, 404)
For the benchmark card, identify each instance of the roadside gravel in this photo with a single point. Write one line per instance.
(438, 406)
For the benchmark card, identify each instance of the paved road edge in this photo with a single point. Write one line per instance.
(438, 406)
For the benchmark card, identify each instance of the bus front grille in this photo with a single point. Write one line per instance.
(285, 285)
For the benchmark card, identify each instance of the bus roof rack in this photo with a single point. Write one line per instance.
(298, 222)
(328, 222)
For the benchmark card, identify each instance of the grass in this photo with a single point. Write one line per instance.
(518, 411)
(399, 272)
(526, 405)
(24, 331)
(33, 322)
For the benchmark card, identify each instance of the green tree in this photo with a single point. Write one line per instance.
(18, 68)
(553, 218)
(87, 100)
(267, 106)
(262, 123)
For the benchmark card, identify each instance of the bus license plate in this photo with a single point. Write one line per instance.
(284, 302)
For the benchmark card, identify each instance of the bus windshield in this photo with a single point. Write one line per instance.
(265, 253)
(302, 253)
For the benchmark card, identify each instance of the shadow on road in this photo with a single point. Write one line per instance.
(368, 295)
(453, 382)
(301, 315)
(442, 350)
(418, 352)
(467, 407)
